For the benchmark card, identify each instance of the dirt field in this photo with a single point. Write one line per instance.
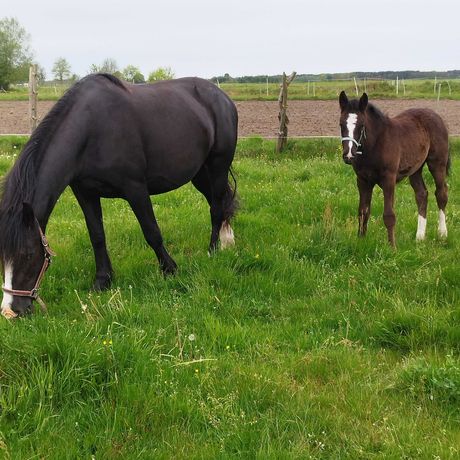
(307, 118)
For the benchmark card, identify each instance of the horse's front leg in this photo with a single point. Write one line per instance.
(91, 207)
(389, 217)
(364, 210)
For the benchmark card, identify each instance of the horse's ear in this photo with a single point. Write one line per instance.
(343, 101)
(28, 216)
(363, 102)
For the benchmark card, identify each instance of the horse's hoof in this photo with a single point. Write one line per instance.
(101, 284)
(169, 269)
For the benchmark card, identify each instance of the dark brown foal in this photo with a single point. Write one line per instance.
(385, 150)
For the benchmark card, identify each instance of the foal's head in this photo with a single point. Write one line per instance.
(352, 127)
(23, 258)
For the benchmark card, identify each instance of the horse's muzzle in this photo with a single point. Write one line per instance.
(23, 307)
(348, 160)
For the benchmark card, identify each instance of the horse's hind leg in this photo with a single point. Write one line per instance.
(439, 172)
(212, 181)
(91, 207)
(139, 200)
(421, 197)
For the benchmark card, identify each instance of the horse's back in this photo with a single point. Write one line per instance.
(429, 121)
(161, 133)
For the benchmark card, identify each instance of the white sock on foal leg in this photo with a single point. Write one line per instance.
(442, 228)
(421, 228)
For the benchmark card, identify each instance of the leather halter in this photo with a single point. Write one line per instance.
(357, 142)
(33, 293)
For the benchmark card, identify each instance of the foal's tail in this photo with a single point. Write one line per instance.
(230, 199)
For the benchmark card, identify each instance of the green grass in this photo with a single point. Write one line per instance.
(319, 90)
(302, 342)
(330, 90)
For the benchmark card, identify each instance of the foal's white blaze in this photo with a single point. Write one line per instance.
(442, 228)
(351, 125)
(226, 235)
(8, 298)
(421, 228)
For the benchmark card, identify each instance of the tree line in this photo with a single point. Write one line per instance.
(383, 75)
(16, 57)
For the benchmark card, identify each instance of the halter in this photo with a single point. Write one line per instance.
(33, 293)
(357, 142)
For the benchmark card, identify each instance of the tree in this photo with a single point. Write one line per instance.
(133, 74)
(15, 54)
(41, 73)
(61, 69)
(162, 73)
(109, 65)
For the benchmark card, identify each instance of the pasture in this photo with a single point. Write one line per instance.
(302, 342)
(314, 90)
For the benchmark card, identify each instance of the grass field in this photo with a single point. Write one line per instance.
(321, 90)
(302, 342)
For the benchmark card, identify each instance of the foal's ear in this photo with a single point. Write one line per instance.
(343, 101)
(363, 102)
(28, 216)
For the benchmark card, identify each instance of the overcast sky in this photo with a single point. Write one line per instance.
(243, 37)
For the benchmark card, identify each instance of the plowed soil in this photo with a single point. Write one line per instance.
(307, 118)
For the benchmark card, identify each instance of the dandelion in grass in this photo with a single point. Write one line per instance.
(197, 371)
(191, 337)
(227, 347)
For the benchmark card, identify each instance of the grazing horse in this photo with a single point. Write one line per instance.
(384, 150)
(106, 138)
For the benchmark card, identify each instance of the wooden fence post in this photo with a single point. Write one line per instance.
(33, 96)
(282, 117)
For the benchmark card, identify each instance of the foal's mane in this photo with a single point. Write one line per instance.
(18, 186)
(373, 110)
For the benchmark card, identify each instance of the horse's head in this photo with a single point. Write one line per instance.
(352, 125)
(25, 266)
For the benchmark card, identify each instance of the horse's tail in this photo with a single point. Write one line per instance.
(230, 199)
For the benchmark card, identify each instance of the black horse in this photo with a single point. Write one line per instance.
(106, 138)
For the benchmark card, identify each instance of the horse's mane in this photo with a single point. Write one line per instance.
(373, 110)
(18, 186)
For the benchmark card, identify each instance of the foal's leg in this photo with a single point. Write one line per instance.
(439, 173)
(91, 207)
(421, 197)
(212, 181)
(389, 218)
(364, 210)
(139, 200)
